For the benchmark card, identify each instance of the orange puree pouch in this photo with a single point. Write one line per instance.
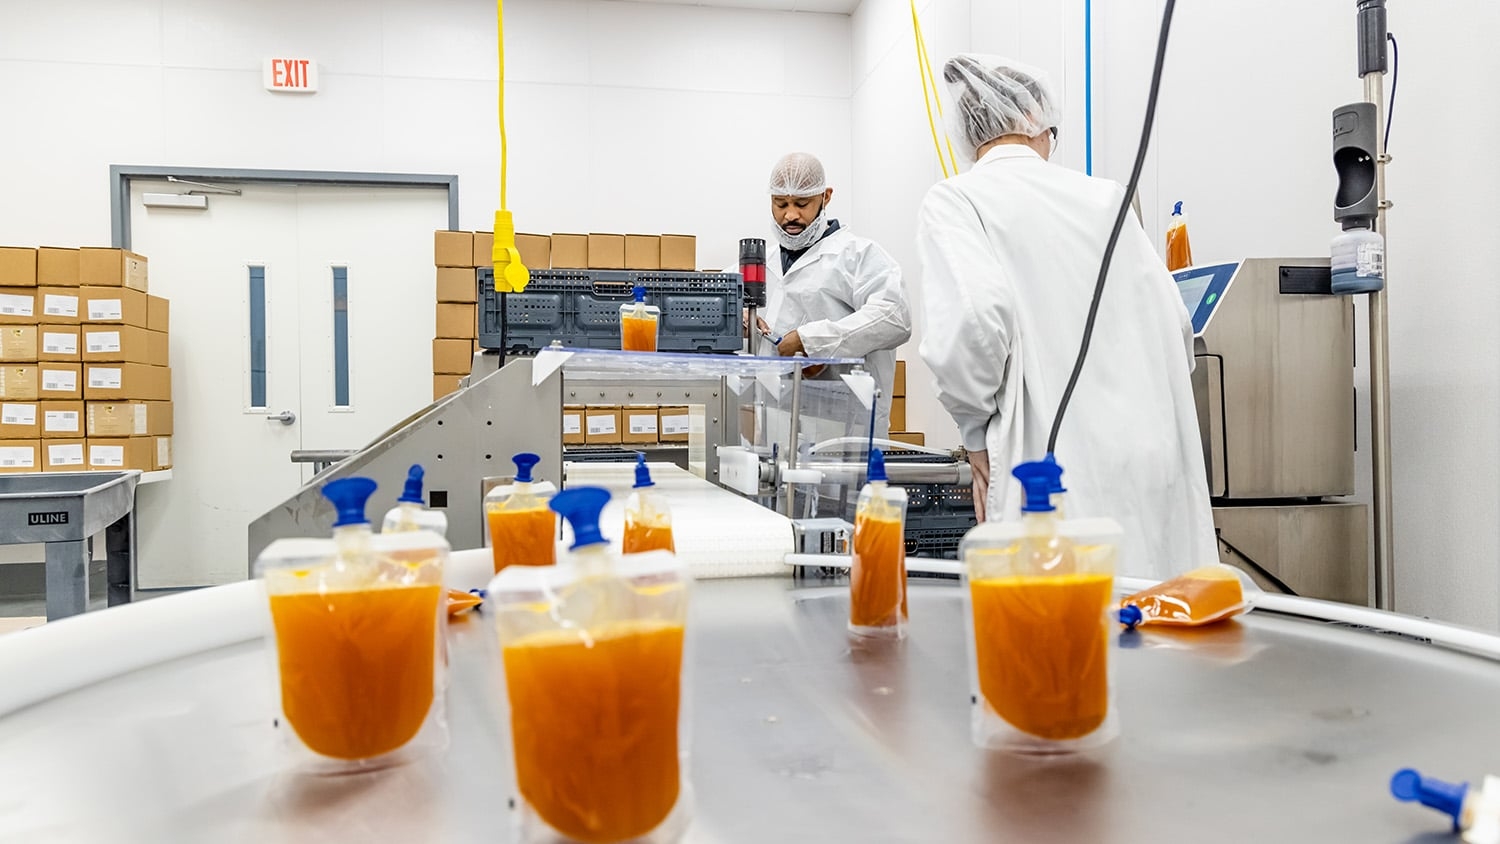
(877, 572)
(639, 323)
(648, 519)
(520, 528)
(1201, 596)
(592, 658)
(356, 641)
(1037, 598)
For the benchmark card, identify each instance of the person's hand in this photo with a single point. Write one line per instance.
(979, 462)
(790, 345)
(762, 326)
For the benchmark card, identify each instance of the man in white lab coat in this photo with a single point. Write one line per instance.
(1010, 253)
(830, 293)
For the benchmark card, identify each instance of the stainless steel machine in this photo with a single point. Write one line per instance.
(1274, 386)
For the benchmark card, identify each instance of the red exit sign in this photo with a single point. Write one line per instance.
(297, 75)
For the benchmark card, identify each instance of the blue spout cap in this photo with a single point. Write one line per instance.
(1038, 479)
(640, 293)
(1129, 615)
(642, 474)
(1410, 786)
(877, 465)
(412, 492)
(525, 462)
(349, 496)
(1177, 209)
(582, 507)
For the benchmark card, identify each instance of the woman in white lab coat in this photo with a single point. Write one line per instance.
(1010, 253)
(830, 293)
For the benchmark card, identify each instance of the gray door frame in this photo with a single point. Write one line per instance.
(120, 176)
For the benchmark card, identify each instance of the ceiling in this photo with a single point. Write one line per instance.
(839, 7)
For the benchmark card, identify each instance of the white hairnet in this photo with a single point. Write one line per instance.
(798, 174)
(990, 96)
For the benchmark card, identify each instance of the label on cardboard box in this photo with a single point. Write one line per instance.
(680, 424)
(18, 457)
(103, 341)
(18, 414)
(164, 451)
(70, 454)
(62, 380)
(100, 377)
(140, 420)
(63, 306)
(601, 425)
(103, 309)
(20, 306)
(572, 423)
(60, 344)
(106, 455)
(62, 422)
(643, 423)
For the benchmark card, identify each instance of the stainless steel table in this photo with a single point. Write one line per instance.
(63, 510)
(1265, 729)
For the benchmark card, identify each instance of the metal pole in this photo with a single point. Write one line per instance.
(791, 454)
(1380, 377)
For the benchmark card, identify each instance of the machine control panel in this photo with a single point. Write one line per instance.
(1202, 289)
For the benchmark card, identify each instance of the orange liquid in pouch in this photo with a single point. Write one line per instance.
(595, 727)
(523, 537)
(637, 335)
(1042, 646)
(641, 537)
(1197, 597)
(356, 667)
(1179, 250)
(877, 578)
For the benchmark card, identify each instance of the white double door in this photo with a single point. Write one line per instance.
(301, 318)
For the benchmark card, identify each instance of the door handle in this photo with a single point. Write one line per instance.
(285, 417)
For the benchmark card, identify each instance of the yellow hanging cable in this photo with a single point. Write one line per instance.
(511, 275)
(936, 95)
(929, 82)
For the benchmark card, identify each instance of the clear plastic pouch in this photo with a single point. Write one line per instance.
(593, 665)
(1201, 596)
(355, 633)
(522, 529)
(639, 323)
(648, 519)
(1037, 601)
(877, 573)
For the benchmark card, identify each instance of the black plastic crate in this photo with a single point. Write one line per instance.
(938, 543)
(700, 312)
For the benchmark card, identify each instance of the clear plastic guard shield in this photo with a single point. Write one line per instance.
(1037, 599)
(356, 647)
(593, 659)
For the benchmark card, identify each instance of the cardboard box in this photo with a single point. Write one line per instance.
(102, 343)
(452, 357)
(158, 313)
(61, 419)
(20, 456)
(159, 419)
(675, 423)
(639, 424)
(898, 388)
(58, 305)
(18, 344)
(158, 348)
(19, 421)
(56, 267)
(443, 385)
(111, 268)
(59, 380)
(748, 430)
(570, 251)
(126, 381)
(455, 321)
(484, 250)
(58, 343)
(163, 452)
(679, 252)
(601, 425)
(572, 424)
(456, 284)
(898, 414)
(606, 251)
(643, 251)
(122, 453)
(64, 455)
(18, 382)
(113, 306)
(909, 437)
(128, 419)
(453, 249)
(536, 250)
(18, 305)
(17, 266)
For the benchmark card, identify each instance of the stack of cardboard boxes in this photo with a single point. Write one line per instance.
(84, 377)
(898, 410)
(632, 424)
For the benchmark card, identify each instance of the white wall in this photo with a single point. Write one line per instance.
(622, 116)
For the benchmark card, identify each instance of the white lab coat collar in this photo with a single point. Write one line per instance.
(1001, 152)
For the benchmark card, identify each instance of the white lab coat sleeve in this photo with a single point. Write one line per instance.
(881, 318)
(968, 311)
